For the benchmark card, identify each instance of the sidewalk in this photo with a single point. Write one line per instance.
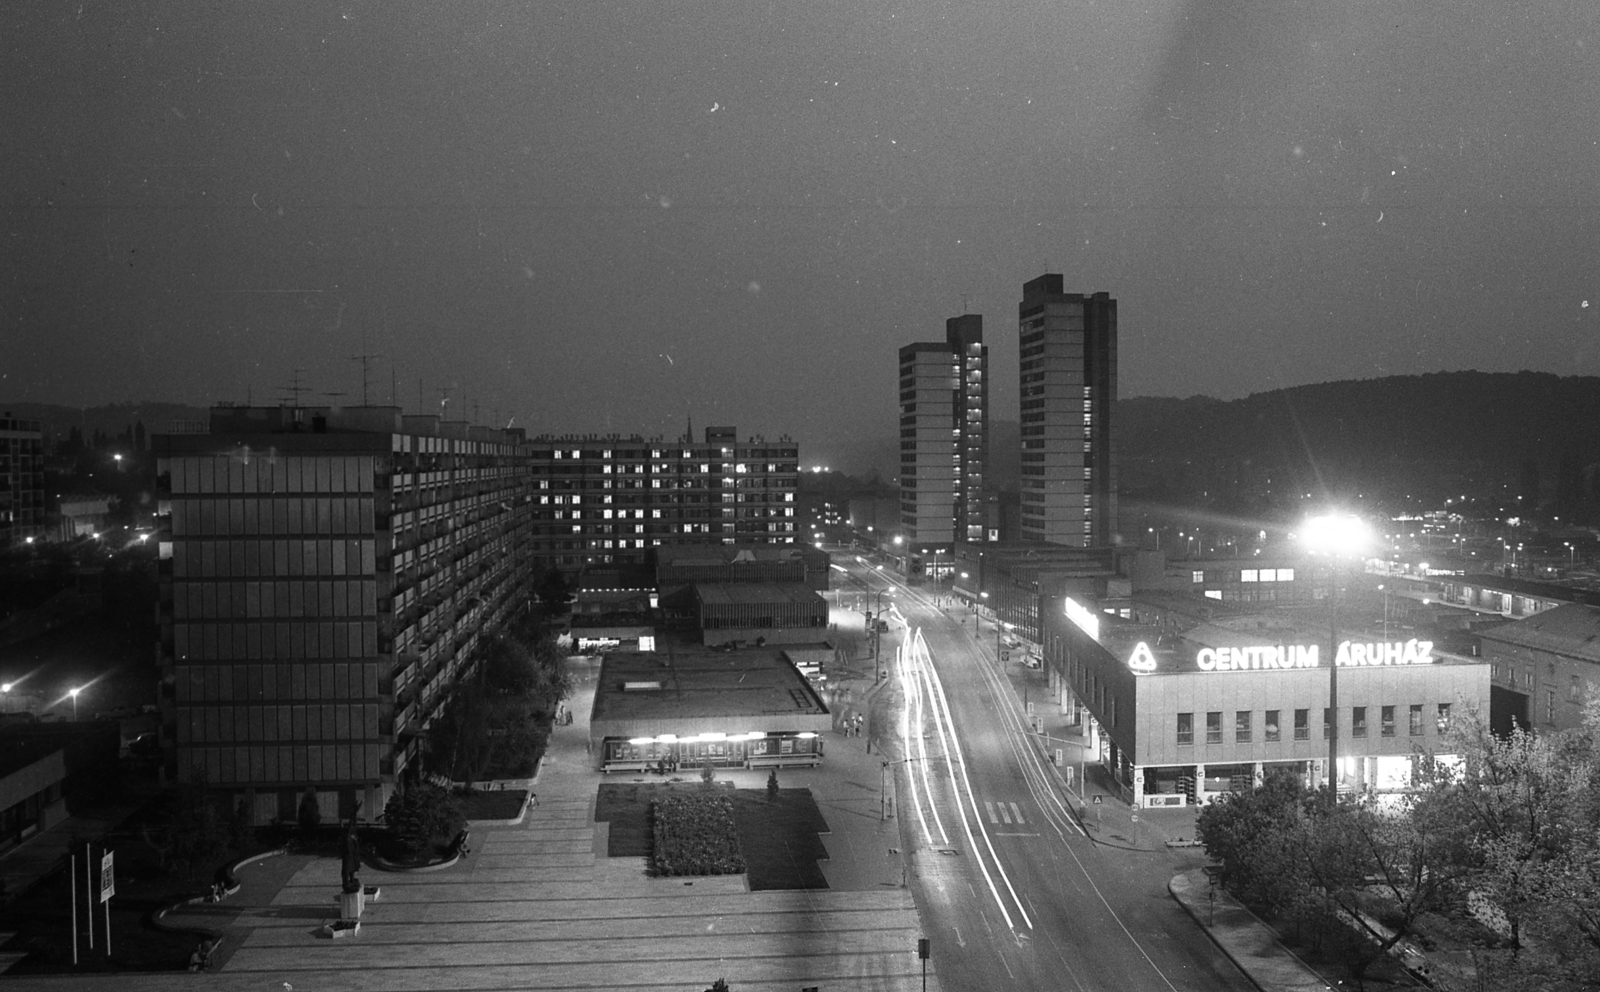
(1248, 942)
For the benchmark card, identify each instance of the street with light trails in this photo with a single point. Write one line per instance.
(1011, 888)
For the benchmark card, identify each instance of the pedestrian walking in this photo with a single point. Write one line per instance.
(534, 796)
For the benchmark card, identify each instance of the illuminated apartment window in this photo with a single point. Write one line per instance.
(1248, 575)
(1197, 577)
(1285, 575)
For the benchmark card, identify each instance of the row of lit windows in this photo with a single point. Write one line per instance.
(1272, 729)
(1250, 575)
(575, 454)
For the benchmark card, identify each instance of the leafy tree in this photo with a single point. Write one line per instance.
(506, 667)
(553, 591)
(422, 815)
(1526, 808)
(191, 831)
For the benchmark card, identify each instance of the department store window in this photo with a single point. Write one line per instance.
(1415, 727)
(1214, 727)
(1327, 722)
(1185, 728)
(1387, 726)
(1242, 726)
(1358, 721)
(1273, 733)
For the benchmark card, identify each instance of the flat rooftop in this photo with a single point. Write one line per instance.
(756, 682)
(730, 593)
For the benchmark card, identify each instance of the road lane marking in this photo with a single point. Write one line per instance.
(1018, 813)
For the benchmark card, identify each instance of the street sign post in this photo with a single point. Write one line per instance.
(108, 888)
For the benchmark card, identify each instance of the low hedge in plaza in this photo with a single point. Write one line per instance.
(695, 834)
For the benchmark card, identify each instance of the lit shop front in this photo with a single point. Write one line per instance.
(751, 749)
(750, 708)
(1178, 717)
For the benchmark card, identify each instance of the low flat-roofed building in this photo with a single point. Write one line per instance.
(1177, 711)
(41, 764)
(772, 612)
(1543, 668)
(736, 709)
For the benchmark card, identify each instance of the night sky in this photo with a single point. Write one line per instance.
(598, 217)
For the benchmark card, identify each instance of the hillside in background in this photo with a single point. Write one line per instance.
(1424, 437)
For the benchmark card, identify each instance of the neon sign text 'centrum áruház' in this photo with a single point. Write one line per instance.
(1282, 657)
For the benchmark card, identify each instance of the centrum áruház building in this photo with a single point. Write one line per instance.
(1178, 713)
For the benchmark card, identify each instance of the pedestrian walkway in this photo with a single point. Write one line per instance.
(539, 905)
(1248, 942)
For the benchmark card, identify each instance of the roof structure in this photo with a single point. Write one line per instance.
(1572, 630)
(711, 690)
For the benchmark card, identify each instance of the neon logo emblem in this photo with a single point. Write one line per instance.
(1142, 660)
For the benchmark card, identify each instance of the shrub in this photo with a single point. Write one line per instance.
(422, 815)
(695, 835)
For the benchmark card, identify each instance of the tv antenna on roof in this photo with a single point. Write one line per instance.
(966, 304)
(294, 389)
(365, 360)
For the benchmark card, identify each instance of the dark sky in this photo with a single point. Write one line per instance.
(604, 217)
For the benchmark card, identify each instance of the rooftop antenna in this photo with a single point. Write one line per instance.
(294, 389)
(444, 400)
(365, 358)
(966, 306)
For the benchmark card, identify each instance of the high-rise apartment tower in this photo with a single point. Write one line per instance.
(1068, 352)
(944, 436)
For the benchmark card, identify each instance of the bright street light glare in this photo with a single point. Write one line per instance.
(1339, 534)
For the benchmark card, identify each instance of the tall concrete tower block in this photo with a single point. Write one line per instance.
(1068, 356)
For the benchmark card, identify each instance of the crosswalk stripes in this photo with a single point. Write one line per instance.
(1000, 813)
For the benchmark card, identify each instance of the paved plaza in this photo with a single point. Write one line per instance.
(538, 905)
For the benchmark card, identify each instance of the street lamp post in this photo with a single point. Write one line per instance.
(1338, 536)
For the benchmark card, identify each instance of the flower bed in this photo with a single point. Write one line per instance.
(695, 835)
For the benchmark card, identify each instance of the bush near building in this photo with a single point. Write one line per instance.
(422, 816)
